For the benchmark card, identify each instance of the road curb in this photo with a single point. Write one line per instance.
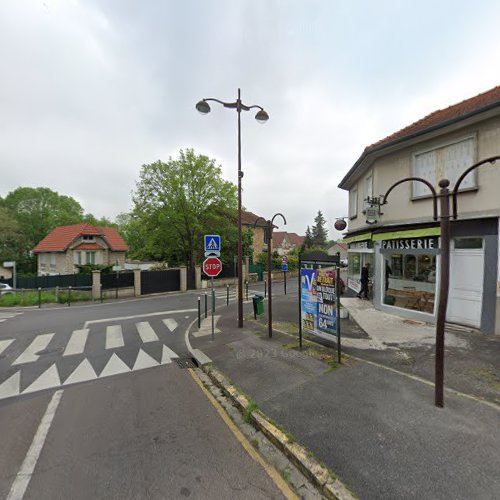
(318, 474)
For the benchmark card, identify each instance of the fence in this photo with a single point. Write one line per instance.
(160, 281)
(58, 280)
(117, 280)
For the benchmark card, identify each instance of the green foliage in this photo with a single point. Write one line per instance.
(160, 266)
(46, 297)
(319, 232)
(12, 242)
(247, 242)
(175, 204)
(308, 241)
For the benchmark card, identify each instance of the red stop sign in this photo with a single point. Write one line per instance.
(212, 267)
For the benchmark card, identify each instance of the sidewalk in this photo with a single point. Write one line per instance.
(376, 428)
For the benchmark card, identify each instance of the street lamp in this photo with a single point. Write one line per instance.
(261, 116)
(444, 224)
(270, 226)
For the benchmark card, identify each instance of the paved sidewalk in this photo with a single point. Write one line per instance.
(377, 429)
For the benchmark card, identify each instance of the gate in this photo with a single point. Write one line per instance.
(191, 278)
(160, 281)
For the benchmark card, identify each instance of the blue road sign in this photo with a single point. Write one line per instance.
(284, 267)
(212, 243)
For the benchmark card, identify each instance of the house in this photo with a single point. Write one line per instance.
(339, 247)
(65, 247)
(402, 243)
(5, 273)
(260, 239)
(283, 242)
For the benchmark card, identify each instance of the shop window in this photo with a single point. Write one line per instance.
(468, 243)
(410, 281)
(353, 202)
(354, 264)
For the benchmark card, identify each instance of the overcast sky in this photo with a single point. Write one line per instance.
(90, 90)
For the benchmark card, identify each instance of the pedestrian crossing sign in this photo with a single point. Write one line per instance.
(212, 244)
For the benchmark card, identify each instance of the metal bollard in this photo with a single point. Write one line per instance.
(265, 288)
(227, 295)
(246, 286)
(100, 292)
(205, 305)
(69, 295)
(39, 297)
(199, 312)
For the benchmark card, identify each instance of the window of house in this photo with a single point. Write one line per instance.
(445, 162)
(468, 243)
(368, 189)
(53, 258)
(90, 257)
(353, 202)
(88, 237)
(77, 258)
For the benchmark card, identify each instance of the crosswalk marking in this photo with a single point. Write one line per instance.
(114, 366)
(167, 355)
(77, 342)
(48, 379)
(4, 344)
(83, 372)
(39, 344)
(144, 360)
(170, 323)
(11, 386)
(114, 337)
(146, 332)
(206, 327)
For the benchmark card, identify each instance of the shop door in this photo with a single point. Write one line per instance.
(465, 298)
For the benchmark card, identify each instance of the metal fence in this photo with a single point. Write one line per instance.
(117, 280)
(160, 281)
(58, 280)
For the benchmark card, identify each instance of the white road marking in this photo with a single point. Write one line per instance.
(146, 315)
(39, 344)
(167, 355)
(114, 337)
(114, 366)
(146, 332)
(23, 477)
(47, 380)
(206, 327)
(11, 386)
(4, 344)
(144, 360)
(76, 343)
(171, 324)
(83, 372)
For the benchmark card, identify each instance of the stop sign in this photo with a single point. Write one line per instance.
(212, 267)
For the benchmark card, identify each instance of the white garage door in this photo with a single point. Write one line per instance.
(466, 282)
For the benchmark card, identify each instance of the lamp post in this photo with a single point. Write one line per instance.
(269, 268)
(261, 116)
(444, 224)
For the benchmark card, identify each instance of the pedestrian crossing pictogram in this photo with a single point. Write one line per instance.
(118, 354)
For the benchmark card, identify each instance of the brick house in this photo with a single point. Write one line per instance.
(260, 240)
(283, 242)
(67, 246)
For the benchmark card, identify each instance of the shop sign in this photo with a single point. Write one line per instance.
(354, 284)
(410, 244)
(360, 245)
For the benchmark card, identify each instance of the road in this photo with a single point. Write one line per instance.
(96, 402)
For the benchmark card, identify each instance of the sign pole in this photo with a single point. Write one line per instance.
(213, 306)
(337, 293)
(284, 273)
(300, 305)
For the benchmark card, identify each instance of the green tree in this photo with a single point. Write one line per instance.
(319, 232)
(176, 203)
(12, 243)
(308, 241)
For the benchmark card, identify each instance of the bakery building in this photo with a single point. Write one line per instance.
(402, 242)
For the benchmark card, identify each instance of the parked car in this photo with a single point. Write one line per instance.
(4, 289)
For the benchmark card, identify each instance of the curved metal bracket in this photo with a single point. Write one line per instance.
(418, 179)
(276, 215)
(454, 193)
(257, 220)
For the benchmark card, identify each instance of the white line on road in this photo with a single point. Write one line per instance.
(146, 332)
(39, 344)
(145, 315)
(76, 343)
(170, 323)
(4, 344)
(114, 337)
(23, 477)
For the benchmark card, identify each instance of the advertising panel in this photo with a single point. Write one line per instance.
(318, 302)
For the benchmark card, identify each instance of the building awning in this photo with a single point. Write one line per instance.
(358, 237)
(410, 233)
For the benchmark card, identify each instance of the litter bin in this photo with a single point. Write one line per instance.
(258, 305)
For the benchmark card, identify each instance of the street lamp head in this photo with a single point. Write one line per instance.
(262, 116)
(203, 107)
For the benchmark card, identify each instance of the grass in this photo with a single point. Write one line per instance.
(286, 474)
(33, 298)
(255, 443)
(247, 415)
(489, 376)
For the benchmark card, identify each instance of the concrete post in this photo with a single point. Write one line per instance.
(137, 282)
(96, 285)
(197, 277)
(246, 273)
(183, 278)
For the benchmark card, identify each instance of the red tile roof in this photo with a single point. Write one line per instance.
(437, 119)
(296, 239)
(293, 238)
(278, 237)
(61, 237)
(88, 246)
(249, 218)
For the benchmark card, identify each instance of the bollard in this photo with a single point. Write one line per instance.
(100, 292)
(39, 297)
(227, 295)
(199, 312)
(205, 305)
(57, 294)
(69, 295)
(246, 286)
(265, 288)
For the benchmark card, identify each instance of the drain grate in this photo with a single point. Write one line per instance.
(185, 362)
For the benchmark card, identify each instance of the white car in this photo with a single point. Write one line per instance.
(4, 288)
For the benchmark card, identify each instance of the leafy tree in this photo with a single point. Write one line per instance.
(176, 203)
(319, 232)
(12, 239)
(308, 241)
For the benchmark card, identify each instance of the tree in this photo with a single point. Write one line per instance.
(308, 241)
(176, 203)
(12, 239)
(319, 232)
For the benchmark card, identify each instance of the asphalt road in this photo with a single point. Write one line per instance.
(93, 404)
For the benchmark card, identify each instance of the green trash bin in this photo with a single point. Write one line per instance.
(258, 305)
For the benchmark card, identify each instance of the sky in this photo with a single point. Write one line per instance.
(91, 90)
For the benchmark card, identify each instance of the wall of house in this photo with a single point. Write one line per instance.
(258, 242)
(396, 166)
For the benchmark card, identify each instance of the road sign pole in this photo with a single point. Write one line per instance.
(284, 275)
(213, 307)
